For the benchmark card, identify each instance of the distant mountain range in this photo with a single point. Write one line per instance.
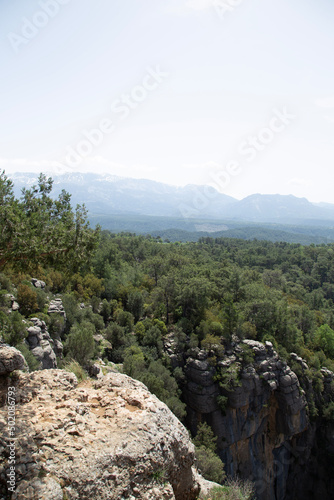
(106, 195)
(280, 208)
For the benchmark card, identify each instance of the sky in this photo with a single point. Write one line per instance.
(236, 94)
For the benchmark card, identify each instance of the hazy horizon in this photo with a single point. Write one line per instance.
(234, 94)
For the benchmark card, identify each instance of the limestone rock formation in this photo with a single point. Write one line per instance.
(56, 306)
(38, 283)
(14, 306)
(264, 416)
(104, 439)
(10, 359)
(41, 344)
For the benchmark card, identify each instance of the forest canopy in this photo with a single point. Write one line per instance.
(40, 230)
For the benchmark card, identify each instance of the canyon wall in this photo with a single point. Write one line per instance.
(262, 421)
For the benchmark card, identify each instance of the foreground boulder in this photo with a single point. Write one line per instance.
(105, 439)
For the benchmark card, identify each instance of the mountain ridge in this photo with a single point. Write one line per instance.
(111, 195)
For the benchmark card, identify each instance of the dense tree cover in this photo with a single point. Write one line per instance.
(219, 288)
(139, 290)
(223, 286)
(37, 229)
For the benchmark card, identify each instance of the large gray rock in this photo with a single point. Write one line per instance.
(56, 307)
(10, 359)
(95, 371)
(34, 336)
(42, 346)
(38, 283)
(265, 410)
(45, 355)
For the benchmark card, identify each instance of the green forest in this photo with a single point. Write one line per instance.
(131, 300)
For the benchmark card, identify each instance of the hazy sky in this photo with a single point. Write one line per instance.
(238, 94)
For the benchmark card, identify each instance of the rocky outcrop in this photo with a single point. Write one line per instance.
(10, 359)
(105, 439)
(41, 344)
(56, 307)
(45, 349)
(38, 283)
(205, 485)
(259, 417)
(14, 306)
(95, 371)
